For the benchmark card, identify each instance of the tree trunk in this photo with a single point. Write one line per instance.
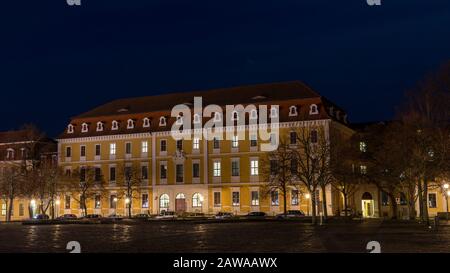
(129, 209)
(285, 201)
(425, 202)
(10, 208)
(324, 203)
(394, 206)
(345, 205)
(313, 208)
(420, 192)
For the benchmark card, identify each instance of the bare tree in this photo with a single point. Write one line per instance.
(133, 177)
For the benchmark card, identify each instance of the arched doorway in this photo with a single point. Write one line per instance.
(367, 205)
(180, 203)
(164, 202)
(197, 201)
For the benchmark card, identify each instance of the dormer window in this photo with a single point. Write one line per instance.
(99, 126)
(84, 128)
(253, 114)
(162, 121)
(293, 111)
(179, 120)
(345, 118)
(234, 116)
(313, 109)
(146, 123)
(273, 112)
(196, 118)
(70, 129)
(338, 115)
(115, 125)
(130, 124)
(217, 117)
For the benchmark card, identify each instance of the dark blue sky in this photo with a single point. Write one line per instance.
(57, 61)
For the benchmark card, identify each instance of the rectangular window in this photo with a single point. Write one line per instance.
(97, 149)
(83, 151)
(196, 144)
(255, 198)
(274, 198)
(273, 167)
(145, 201)
(314, 136)
(112, 148)
(432, 200)
(67, 202)
(128, 173)
(68, 151)
(82, 175)
(236, 198)
(98, 174)
(98, 201)
(363, 169)
(179, 173)
(128, 148)
(253, 141)
(113, 201)
(363, 146)
(294, 198)
(216, 143)
(144, 172)
(163, 147)
(112, 174)
(384, 198)
(21, 210)
(216, 169)
(180, 145)
(163, 171)
(294, 166)
(273, 139)
(254, 170)
(235, 167)
(235, 141)
(3, 209)
(217, 199)
(144, 147)
(196, 170)
(293, 138)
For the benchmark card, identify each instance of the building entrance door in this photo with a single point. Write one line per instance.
(180, 203)
(367, 205)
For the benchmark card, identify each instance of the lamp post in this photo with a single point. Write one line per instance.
(447, 194)
(57, 203)
(115, 205)
(33, 207)
(307, 196)
(127, 202)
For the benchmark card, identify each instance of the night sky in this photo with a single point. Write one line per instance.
(58, 61)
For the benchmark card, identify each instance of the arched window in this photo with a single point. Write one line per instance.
(130, 124)
(313, 110)
(164, 201)
(234, 116)
(146, 123)
(197, 200)
(10, 154)
(180, 196)
(179, 120)
(217, 117)
(84, 128)
(253, 114)
(196, 118)
(115, 125)
(162, 121)
(70, 129)
(99, 126)
(293, 111)
(273, 112)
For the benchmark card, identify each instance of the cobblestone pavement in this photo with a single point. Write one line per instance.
(290, 237)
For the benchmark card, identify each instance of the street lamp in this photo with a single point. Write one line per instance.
(33, 207)
(447, 194)
(307, 196)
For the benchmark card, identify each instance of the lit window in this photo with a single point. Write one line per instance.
(254, 167)
(273, 112)
(235, 170)
(216, 168)
(255, 198)
(294, 198)
(144, 147)
(363, 147)
(235, 141)
(293, 111)
(274, 198)
(197, 200)
(196, 144)
(144, 201)
(112, 148)
(113, 201)
(363, 169)
(164, 201)
(236, 198)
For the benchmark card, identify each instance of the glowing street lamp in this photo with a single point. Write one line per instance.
(307, 196)
(57, 202)
(127, 200)
(447, 194)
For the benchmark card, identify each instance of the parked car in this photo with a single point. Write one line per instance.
(167, 215)
(291, 214)
(114, 216)
(223, 215)
(41, 217)
(67, 217)
(141, 216)
(92, 216)
(256, 215)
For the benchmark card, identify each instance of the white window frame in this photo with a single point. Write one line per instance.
(99, 126)
(254, 167)
(84, 127)
(313, 109)
(115, 125)
(235, 142)
(196, 143)
(217, 168)
(70, 129)
(197, 119)
(293, 111)
(146, 122)
(274, 112)
(130, 124)
(162, 121)
(253, 114)
(217, 117)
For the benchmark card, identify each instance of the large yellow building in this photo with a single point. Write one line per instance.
(196, 175)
